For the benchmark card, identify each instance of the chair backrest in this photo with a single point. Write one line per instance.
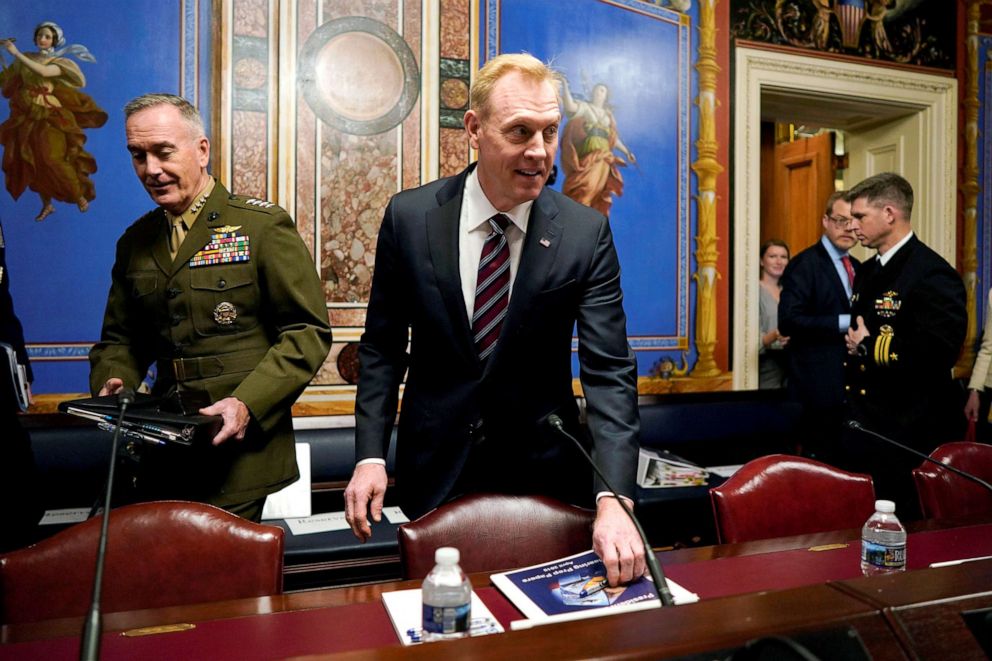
(780, 495)
(946, 495)
(158, 554)
(495, 532)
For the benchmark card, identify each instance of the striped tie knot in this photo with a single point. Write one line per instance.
(499, 223)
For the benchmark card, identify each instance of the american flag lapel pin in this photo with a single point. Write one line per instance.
(545, 241)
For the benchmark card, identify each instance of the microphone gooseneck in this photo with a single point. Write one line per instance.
(857, 426)
(654, 567)
(90, 648)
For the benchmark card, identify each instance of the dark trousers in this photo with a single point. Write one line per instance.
(19, 488)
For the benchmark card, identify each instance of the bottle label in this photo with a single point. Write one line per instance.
(880, 555)
(446, 619)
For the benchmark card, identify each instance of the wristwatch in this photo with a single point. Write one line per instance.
(861, 349)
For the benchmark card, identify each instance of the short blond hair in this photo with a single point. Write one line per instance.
(523, 63)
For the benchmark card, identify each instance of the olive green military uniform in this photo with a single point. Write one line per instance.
(239, 312)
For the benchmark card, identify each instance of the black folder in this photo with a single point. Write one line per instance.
(150, 419)
(13, 379)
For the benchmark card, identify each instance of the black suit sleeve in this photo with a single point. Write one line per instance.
(799, 315)
(382, 352)
(608, 369)
(11, 331)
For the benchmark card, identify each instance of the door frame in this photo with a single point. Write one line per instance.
(934, 218)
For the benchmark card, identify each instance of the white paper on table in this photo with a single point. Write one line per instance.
(724, 471)
(406, 612)
(292, 501)
(395, 515)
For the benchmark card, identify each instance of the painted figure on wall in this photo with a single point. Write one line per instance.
(43, 137)
(588, 146)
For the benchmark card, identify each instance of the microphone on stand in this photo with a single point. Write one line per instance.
(855, 425)
(654, 567)
(90, 648)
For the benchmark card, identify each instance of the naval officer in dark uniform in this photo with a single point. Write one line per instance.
(221, 293)
(910, 321)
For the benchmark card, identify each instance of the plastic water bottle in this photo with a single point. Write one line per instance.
(883, 541)
(447, 598)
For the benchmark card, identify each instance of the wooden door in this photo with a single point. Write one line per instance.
(796, 182)
(892, 147)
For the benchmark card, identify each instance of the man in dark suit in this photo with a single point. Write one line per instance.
(485, 373)
(910, 321)
(18, 473)
(814, 311)
(221, 293)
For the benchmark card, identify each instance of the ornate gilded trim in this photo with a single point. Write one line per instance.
(707, 168)
(970, 188)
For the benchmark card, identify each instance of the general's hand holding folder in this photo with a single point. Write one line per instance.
(150, 419)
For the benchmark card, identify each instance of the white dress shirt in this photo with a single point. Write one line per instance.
(473, 228)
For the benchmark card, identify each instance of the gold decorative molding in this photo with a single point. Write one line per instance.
(970, 189)
(707, 169)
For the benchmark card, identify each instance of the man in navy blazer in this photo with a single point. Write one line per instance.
(475, 424)
(814, 311)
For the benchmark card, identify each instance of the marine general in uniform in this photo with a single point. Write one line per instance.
(220, 292)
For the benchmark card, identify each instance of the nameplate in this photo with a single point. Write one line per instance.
(65, 516)
(331, 521)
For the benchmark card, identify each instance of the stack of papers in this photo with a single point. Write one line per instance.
(658, 469)
(406, 613)
(575, 588)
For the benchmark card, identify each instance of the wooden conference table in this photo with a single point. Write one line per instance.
(790, 586)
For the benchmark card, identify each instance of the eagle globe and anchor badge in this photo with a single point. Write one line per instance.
(225, 313)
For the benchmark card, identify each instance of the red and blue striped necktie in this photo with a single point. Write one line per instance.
(492, 290)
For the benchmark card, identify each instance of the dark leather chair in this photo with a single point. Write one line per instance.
(158, 554)
(781, 495)
(495, 532)
(946, 495)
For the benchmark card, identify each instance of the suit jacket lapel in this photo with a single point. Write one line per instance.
(442, 241)
(160, 244)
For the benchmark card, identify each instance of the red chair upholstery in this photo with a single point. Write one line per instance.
(781, 495)
(946, 495)
(158, 554)
(495, 532)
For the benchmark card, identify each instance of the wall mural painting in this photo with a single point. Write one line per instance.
(625, 145)
(589, 145)
(42, 137)
(920, 32)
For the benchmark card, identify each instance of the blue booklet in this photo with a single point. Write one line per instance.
(575, 587)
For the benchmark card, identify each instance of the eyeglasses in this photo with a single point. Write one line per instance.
(840, 221)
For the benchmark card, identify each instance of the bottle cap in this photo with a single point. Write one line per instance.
(447, 555)
(883, 506)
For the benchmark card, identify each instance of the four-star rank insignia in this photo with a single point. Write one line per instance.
(888, 305)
